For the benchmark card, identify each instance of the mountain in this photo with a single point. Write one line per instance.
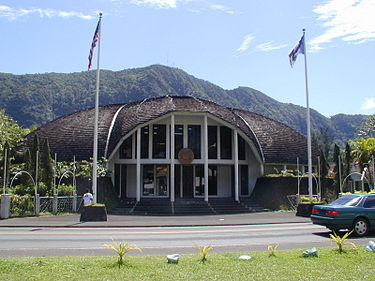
(34, 99)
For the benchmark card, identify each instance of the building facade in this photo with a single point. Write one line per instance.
(179, 147)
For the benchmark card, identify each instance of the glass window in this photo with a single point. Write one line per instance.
(148, 180)
(145, 132)
(241, 148)
(244, 180)
(178, 139)
(126, 148)
(212, 142)
(199, 180)
(194, 140)
(212, 180)
(161, 172)
(370, 202)
(159, 142)
(225, 143)
(347, 200)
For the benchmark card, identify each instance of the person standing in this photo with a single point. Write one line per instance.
(87, 198)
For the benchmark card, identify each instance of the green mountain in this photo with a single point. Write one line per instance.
(35, 99)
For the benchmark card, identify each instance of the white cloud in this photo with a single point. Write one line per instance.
(369, 104)
(15, 13)
(245, 43)
(350, 20)
(159, 4)
(222, 8)
(269, 46)
(195, 6)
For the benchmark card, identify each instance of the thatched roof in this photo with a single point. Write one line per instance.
(72, 135)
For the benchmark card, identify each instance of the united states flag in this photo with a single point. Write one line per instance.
(94, 41)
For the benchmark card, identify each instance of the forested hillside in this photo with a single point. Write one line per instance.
(35, 99)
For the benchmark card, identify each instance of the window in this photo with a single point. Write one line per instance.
(155, 180)
(145, 131)
(159, 142)
(225, 143)
(148, 180)
(194, 140)
(126, 148)
(178, 139)
(241, 148)
(212, 142)
(370, 202)
(199, 180)
(212, 180)
(161, 179)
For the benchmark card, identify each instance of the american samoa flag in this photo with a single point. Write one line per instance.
(299, 48)
(93, 44)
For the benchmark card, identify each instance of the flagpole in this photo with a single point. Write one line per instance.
(95, 149)
(309, 161)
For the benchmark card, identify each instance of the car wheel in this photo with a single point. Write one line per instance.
(361, 227)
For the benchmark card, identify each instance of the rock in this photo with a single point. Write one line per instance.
(310, 253)
(371, 246)
(173, 258)
(244, 257)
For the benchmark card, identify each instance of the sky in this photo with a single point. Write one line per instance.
(230, 43)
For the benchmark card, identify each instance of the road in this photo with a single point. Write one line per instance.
(72, 241)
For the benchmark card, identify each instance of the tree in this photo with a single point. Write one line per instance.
(47, 171)
(10, 131)
(7, 164)
(324, 141)
(362, 151)
(347, 159)
(337, 160)
(368, 129)
(323, 165)
(33, 153)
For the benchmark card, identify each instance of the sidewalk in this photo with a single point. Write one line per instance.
(155, 221)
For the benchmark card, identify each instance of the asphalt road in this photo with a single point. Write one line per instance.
(75, 241)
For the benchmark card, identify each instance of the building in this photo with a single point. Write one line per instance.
(179, 147)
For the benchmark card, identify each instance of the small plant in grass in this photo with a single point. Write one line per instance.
(272, 250)
(121, 249)
(203, 252)
(341, 241)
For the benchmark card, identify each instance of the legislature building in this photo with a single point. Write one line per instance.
(177, 148)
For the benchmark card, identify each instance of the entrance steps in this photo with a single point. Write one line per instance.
(186, 206)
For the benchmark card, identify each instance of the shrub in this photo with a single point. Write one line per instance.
(203, 252)
(341, 241)
(121, 249)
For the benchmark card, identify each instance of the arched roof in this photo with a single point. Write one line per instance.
(72, 135)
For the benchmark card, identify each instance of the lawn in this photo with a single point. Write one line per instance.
(287, 265)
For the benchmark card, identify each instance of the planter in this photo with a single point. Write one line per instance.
(94, 213)
(304, 209)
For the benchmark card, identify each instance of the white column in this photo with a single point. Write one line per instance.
(172, 158)
(138, 157)
(236, 193)
(205, 155)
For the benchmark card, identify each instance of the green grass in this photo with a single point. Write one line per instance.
(287, 265)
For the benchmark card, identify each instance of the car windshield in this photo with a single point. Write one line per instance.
(347, 200)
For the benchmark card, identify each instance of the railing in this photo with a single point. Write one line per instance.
(21, 206)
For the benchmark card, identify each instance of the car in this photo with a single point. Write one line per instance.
(353, 211)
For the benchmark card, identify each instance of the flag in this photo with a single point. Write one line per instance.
(94, 41)
(299, 48)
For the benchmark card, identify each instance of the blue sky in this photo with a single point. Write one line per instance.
(229, 43)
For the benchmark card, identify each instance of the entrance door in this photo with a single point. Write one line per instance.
(187, 181)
